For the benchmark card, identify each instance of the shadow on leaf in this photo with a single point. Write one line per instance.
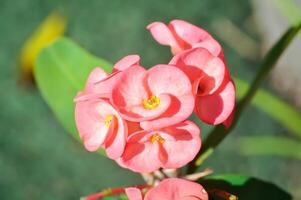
(245, 188)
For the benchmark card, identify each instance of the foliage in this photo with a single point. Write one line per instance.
(244, 187)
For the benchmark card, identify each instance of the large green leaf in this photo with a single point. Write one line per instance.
(245, 188)
(276, 108)
(61, 71)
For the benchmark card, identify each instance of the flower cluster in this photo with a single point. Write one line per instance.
(140, 116)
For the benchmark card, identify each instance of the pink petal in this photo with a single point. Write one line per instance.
(141, 157)
(116, 145)
(133, 127)
(130, 90)
(139, 113)
(191, 62)
(96, 75)
(228, 122)
(205, 71)
(163, 35)
(166, 79)
(177, 58)
(126, 62)
(181, 35)
(216, 108)
(84, 96)
(90, 117)
(180, 109)
(177, 189)
(212, 46)
(190, 198)
(185, 146)
(95, 140)
(196, 36)
(128, 96)
(104, 88)
(188, 32)
(133, 193)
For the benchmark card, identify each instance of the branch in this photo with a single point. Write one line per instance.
(110, 191)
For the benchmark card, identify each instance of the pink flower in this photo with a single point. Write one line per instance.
(201, 57)
(181, 35)
(98, 122)
(100, 125)
(212, 84)
(159, 97)
(99, 83)
(171, 189)
(169, 147)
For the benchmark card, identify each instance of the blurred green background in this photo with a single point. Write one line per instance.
(38, 160)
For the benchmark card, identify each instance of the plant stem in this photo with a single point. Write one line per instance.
(198, 175)
(219, 133)
(110, 191)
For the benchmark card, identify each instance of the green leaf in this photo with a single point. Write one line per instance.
(272, 105)
(269, 146)
(244, 187)
(123, 197)
(234, 179)
(61, 71)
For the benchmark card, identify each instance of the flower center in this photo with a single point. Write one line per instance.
(108, 120)
(157, 138)
(151, 103)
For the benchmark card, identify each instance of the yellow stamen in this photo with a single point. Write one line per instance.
(151, 103)
(157, 138)
(108, 120)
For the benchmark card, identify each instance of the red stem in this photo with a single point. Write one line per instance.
(111, 191)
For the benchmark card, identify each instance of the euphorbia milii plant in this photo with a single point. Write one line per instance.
(140, 117)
